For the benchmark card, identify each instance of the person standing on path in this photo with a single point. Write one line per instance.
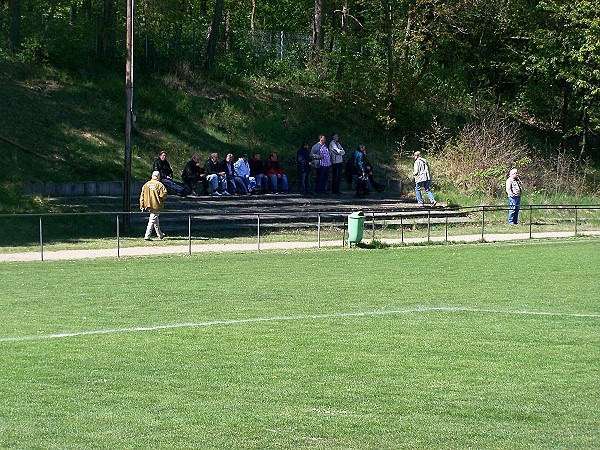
(422, 179)
(336, 152)
(514, 189)
(152, 199)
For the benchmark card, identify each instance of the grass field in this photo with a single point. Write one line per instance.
(458, 346)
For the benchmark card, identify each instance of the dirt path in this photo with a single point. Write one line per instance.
(149, 249)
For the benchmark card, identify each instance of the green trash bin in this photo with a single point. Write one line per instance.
(356, 224)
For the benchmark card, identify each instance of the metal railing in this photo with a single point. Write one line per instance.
(402, 225)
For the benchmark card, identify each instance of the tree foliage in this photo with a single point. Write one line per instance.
(405, 60)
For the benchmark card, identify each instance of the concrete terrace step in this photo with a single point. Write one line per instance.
(115, 188)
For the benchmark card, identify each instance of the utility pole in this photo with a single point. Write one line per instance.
(128, 117)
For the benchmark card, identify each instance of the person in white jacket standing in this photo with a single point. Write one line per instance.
(336, 152)
(422, 179)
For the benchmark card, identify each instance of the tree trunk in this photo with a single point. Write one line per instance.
(47, 27)
(14, 26)
(317, 31)
(108, 29)
(253, 16)
(214, 35)
(584, 132)
(227, 32)
(389, 29)
(564, 120)
(344, 41)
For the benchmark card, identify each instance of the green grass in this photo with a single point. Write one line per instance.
(322, 349)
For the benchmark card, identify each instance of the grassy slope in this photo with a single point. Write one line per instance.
(71, 127)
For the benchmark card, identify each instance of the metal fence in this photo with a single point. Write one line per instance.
(383, 225)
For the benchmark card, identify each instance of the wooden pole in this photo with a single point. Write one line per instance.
(128, 117)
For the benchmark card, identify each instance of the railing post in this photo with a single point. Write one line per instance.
(189, 234)
(482, 222)
(41, 241)
(344, 233)
(258, 232)
(118, 238)
(428, 224)
(576, 219)
(373, 225)
(446, 228)
(319, 231)
(401, 229)
(530, 221)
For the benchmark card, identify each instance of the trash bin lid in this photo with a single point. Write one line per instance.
(357, 214)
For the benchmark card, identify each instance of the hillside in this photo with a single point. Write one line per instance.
(57, 126)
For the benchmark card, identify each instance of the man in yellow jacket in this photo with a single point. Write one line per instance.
(152, 199)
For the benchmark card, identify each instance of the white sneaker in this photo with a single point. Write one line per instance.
(216, 194)
(226, 193)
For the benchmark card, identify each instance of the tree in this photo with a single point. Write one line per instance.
(318, 38)
(14, 27)
(214, 35)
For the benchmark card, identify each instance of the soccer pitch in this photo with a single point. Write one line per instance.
(453, 346)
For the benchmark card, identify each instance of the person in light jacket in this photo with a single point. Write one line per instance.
(514, 189)
(422, 179)
(336, 153)
(152, 199)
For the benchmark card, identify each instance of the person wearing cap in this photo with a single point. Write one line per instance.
(166, 174)
(514, 189)
(152, 199)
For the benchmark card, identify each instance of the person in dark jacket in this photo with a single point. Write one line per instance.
(215, 175)
(257, 170)
(304, 161)
(360, 170)
(193, 173)
(161, 164)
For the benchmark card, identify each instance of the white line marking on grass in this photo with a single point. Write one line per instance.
(299, 317)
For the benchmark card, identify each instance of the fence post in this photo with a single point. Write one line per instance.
(482, 222)
(373, 224)
(41, 241)
(446, 228)
(344, 233)
(576, 218)
(258, 232)
(189, 234)
(401, 229)
(118, 238)
(530, 221)
(428, 224)
(319, 231)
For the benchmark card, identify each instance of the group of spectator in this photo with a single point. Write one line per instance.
(253, 176)
(226, 177)
(326, 158)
